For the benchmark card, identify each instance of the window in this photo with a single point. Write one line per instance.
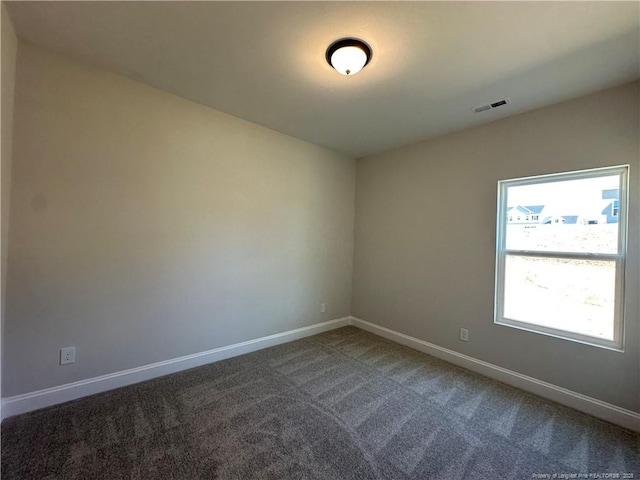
(564, 275)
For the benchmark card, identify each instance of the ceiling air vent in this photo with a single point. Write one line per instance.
(491, 106)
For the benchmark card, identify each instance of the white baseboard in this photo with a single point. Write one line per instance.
(606, 411)
(63, 393)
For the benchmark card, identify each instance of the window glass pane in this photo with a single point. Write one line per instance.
(573, 295)
(567, 216)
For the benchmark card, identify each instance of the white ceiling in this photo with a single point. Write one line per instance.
(433, 62)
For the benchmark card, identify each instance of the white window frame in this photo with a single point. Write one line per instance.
(620, 257)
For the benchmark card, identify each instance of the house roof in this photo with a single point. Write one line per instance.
(611, 193)
(528, 209)
(568, 219)
(432, 62)
(535, 209)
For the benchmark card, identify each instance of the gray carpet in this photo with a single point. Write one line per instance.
(341, 405)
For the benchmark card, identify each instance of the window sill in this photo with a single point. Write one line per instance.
(562, 335)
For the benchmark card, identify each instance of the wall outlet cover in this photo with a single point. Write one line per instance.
(67, 355)
(464, 334)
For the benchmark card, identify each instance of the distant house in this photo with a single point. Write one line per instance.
(524, 214)
(559, 219)
(610, 211)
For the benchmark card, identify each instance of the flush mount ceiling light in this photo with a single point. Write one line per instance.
(348, 55)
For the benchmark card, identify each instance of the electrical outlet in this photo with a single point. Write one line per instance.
(464, 334)
(323, 307)
(67, 355)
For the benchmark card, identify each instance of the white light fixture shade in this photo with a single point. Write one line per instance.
(348, 60)
(348, 56)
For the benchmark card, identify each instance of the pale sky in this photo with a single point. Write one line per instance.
(570, 197)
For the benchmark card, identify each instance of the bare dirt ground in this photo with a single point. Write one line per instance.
(572, 295)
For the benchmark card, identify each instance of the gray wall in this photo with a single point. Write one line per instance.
(146, 227)
(425, 237)
(9, 46)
